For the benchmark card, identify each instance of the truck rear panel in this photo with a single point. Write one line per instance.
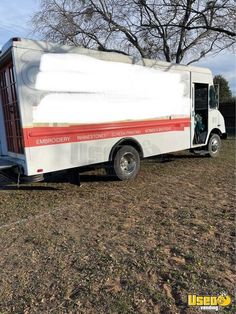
(10, 108)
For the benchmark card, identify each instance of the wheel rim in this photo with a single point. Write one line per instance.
(128, 163)
(215, 145)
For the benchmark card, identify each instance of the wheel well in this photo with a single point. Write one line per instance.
(216, 131)
(126, 141)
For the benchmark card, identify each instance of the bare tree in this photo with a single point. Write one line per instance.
(172, 30)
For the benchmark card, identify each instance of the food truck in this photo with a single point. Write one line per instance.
(65, 107)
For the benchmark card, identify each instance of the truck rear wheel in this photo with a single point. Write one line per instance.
(126, 164)
(214, 145)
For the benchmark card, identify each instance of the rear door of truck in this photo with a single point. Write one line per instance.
(10, 108)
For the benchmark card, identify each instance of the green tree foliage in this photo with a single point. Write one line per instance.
(225, 92)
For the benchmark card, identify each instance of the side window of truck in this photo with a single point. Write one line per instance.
(214, 101)
(201, 97)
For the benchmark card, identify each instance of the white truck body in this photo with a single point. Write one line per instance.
(57, 112)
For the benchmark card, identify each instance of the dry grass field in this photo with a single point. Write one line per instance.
(120, 247)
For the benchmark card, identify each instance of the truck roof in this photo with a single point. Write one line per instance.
(107, 56)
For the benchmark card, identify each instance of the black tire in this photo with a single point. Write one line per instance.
(214, 145)
(126, 163)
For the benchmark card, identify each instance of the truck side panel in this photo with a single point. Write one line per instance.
(51, 146)
(52, 157)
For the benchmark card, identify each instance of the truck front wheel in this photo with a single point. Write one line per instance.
(126, 164)
(214, 145)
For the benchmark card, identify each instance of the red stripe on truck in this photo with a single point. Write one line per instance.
(41, 136)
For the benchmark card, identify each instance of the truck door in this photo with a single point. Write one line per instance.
(200, 114)
(9, 101)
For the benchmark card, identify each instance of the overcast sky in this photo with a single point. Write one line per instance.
(14, 22)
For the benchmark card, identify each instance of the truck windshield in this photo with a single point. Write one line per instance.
(214, 102)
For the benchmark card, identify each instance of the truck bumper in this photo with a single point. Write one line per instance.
(6, 164)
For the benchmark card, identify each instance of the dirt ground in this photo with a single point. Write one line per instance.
(120, 247)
